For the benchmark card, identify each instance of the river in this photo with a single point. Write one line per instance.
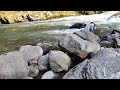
(12, 36)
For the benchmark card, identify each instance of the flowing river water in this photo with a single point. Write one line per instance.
(12, 36)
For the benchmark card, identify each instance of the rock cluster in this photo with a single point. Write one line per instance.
(43, 61)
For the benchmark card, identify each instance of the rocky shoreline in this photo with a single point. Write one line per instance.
(76, 56)
(10, 17)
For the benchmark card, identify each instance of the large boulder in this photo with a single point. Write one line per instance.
(89, 36)
(31, 52)
(50, 75)
(46, 47)
(43, 63)
(13, 66)
(104, 65)
(76, 45)
(59, 61)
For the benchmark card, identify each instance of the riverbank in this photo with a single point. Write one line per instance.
(9, 17)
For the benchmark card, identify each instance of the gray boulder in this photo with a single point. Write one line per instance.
(46, 47)
(104, 65)
(33, 71)
(13, 66)
(50, 75)
(31, 52)
(113, 38)
(89, 36)
(76, 45)
(59, 61)
(117, 43)
(107, 53)
(43, 63)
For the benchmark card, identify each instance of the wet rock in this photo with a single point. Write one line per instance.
(103, 65)
(46, 47)
(13, 66)
(114, 38)
(33, 71)
(31, 52)
(43, 63)
(50, 75)
(59, 61)
(77, 46)
(90, 27)
(78, 25)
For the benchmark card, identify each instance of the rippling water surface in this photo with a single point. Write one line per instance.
(12, 36)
